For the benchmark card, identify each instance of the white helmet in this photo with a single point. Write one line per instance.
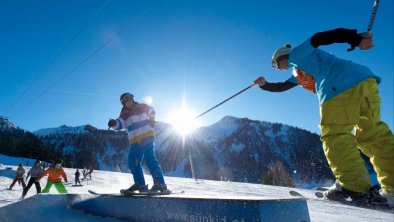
(283, 51)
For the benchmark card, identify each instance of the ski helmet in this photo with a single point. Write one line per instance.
(58, 161)
(280, 54)
(126, 97)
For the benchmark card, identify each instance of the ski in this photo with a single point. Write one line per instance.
(320, 196)
(136, 194)
(295, 193)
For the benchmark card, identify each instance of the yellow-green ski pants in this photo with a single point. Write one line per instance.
(58, 185)
(357, 108)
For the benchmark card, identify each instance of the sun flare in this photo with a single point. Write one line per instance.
(182, 120)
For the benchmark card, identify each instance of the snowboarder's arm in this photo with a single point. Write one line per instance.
(339, 35)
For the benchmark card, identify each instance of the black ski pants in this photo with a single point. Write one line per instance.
(31, 181)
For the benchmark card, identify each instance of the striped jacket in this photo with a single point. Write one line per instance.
(137, 122)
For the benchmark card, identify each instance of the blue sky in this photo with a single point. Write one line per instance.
(193, 52)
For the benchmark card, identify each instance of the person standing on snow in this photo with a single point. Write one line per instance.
(349, 98)
(77, 174)
(55, 175)
(84, 173)
(138, 120)
(90, 172)
(34, 173)
(20, 172)
(19, 177)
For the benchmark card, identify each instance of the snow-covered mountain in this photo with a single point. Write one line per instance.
(64, 130)
(5, 124)
(234, 149)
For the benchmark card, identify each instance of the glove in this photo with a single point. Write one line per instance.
(112, 123)
(152, 122)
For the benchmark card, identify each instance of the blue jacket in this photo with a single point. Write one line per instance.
(332, 74)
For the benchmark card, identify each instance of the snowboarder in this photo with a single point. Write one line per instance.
(55, 174)
(139, 121)
(349, 99)
(34, 172)
(77, 178)
(19, 177)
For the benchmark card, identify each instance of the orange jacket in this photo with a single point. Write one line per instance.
(54, 175)
(306, 81)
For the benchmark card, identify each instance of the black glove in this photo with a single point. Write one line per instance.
(111, 123)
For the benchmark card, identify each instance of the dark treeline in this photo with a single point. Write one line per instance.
(20, 143)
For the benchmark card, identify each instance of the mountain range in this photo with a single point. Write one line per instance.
(233, 149)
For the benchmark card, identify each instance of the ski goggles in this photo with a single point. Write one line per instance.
(127, 97)
(275, 63)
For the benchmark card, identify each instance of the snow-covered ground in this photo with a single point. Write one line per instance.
(54, 207)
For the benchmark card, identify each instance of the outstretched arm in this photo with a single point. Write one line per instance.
(342, 35)
(46, 172)
(274, 87)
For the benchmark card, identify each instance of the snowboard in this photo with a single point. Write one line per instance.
(74, 185)
(320, 196)
(136, 194)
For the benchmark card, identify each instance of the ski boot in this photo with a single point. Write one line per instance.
(337, 192)
(135, 189)
(159, 188)
(389, 197)
(371, 197)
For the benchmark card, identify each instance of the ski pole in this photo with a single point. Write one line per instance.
(372, 19)
(225, 100)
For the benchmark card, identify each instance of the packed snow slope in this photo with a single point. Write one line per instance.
(54, 207)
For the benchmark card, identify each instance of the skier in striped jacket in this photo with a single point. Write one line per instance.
(138, 120)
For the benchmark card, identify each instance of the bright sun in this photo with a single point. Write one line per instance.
(183, 120)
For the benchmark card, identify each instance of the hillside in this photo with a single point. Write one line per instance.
(53, 207)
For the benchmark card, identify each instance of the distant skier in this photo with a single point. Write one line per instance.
(349, 99)
(19, 177)
(55, 174)
(84, 173)
(138, 120)
(90, 172)
(77, 174)
(34, 173)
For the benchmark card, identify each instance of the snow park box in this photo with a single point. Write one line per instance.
(188, 208)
